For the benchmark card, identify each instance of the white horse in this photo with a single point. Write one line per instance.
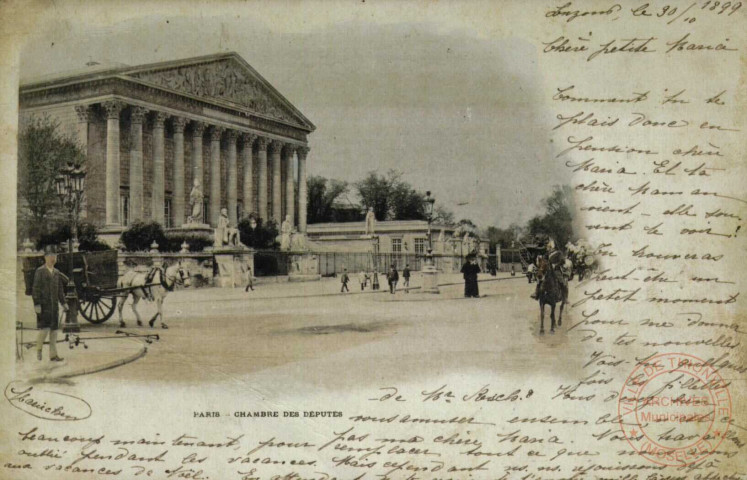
(165, 280)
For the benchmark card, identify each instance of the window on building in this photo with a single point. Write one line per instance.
(124, 208)
(420, 246)
(396, 245)
(167, 213)
(205, 210)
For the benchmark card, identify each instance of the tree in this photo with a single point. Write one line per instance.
(375, 192)
(500, 237)
(557, 221)
(390, 197)
(443, 215)
(42, 150)
(322, 194)
(407, 203)
(466, 225)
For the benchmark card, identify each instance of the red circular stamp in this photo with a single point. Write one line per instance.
(674, 409)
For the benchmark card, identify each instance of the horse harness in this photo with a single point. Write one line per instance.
(164, 281)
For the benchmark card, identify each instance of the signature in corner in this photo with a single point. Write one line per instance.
(46, 404)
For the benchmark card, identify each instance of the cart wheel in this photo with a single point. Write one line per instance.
(98, 309)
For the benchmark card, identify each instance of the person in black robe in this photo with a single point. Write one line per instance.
(470, 271)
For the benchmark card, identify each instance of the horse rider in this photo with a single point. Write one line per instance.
(556, 261)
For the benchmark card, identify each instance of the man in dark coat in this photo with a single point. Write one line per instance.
(393, 278)
(48, 292)
(344, 280)
(470, 271)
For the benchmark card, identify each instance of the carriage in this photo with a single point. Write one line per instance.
(95, 275)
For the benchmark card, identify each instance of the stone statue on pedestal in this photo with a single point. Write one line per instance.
(467, 244)
(196, 198)
(298, 241)
(225, 234)
(285, 234)
(370, 222)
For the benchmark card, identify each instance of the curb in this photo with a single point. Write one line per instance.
(99, 368)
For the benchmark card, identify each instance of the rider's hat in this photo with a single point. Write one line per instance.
(50, 250)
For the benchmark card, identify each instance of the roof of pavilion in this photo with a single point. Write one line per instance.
(223, 79)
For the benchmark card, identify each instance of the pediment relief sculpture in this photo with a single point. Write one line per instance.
(223, 80)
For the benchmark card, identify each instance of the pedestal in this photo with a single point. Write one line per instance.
(430, 278)
(232, 265)
(197, 227)
(71, 318)
(304, 268)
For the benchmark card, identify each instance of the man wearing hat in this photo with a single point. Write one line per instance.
(48, 292)
(393, 278)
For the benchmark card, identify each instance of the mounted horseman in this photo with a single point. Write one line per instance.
(552, 285)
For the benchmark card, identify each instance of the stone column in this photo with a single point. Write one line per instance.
(84, 120)
(177, 202)
(232, 187)
(112, 107)
(247, 163)
(158, 196)
(198, 129)
(290, 201)
(302, 193)
(136, 162)
(275, 148)
(215, 134)
(262, 143)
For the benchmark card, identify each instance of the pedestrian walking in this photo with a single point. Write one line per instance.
(249, 280)
(406, 278)
(363, 279)
(48, 292)
(393, 278)
(344, 279)
(375, 284)
(470, 271)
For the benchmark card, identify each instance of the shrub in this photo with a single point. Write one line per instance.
(140, 235)
(261, 237)
(87, 238)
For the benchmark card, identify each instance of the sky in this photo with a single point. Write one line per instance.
(440, 94)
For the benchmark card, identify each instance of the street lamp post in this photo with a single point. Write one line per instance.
(430, 272)
(69, 185)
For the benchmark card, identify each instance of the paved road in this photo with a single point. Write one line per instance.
(307, 332)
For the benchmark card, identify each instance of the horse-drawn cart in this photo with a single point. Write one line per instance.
(95, 275)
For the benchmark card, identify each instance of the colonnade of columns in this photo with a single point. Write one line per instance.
(271, 155)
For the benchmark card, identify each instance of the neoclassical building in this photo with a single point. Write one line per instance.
(150, 131)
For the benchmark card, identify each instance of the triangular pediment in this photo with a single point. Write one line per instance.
(224, 79)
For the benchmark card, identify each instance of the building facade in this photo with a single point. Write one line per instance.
(151, 132)
(393, 236)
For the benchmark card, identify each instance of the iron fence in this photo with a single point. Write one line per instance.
(272, 262)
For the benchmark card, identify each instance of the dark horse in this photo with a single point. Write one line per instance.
(552, 290)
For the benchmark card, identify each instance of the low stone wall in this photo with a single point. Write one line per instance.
(201, 265)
